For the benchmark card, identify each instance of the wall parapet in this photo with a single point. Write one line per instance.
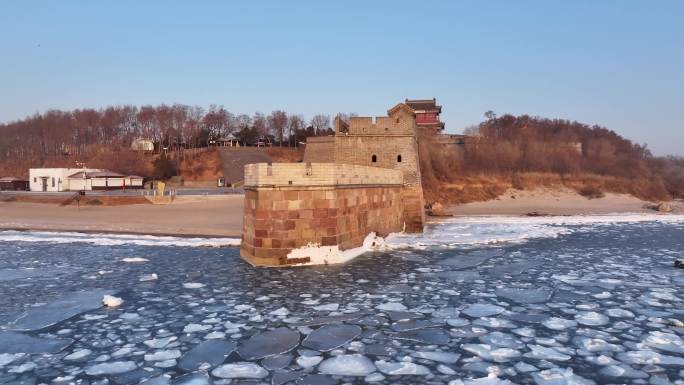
(318, 174)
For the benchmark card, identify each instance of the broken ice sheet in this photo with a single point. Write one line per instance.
(525, 295)
(212, 352)
(14, 342)
(63, 308)
(482, 310)
(347, 365)
(269, 343)
(329, 337)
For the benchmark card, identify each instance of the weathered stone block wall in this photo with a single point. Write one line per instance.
(320, 149)
(280, 218)
(359, 150)
(318, 175)
(401, 122)
(391, 141)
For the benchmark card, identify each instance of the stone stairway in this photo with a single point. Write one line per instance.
(233, 161)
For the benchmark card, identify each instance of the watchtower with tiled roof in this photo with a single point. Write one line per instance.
(427, 113)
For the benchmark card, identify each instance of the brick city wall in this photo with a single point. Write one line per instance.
(294, 205)
(388, 142)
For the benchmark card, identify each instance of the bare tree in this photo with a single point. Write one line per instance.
(277, 122)
(320, 122)
(259, 123)
(295, 123)
(217, 121)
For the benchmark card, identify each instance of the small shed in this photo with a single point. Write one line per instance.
(142, 144)
(229, 141)
(10, 183)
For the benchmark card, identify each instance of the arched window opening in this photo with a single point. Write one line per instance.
(374, 158)
(399, 158)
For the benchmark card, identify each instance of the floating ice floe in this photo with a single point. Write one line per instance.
(401, 368)
(17, 274)
(465, 261)
(329, 337)
(492, 322)
(391, 306)
(78, 355)
(269, 343)
(63, 308)
(482, 310)
(596, 345)
(240, 370)
(665, 341)
(134, 260)
(591, 318)
(502, 340)
(277, 362)
(491, 379)
(309, 362)
(116, 367)
(327, 307)
(163, 355)
(525, 295)
(459, 276)
(374, 377)
(194, 328)
(8, 358)
(111, 301)
(347, 365)
(412, 324)
(515, 268)
(149, 277)
(557, 376)
(619, 313)
(193, 285)
(445, 357)
(486, 352)
(159, 343)
(12, 342)
(426, 336)
(543, 353)
(523, 367)
(197, 378)
(555, 323)
(623, 371)
(649, 357)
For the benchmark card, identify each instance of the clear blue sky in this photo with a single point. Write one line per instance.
(615, 63)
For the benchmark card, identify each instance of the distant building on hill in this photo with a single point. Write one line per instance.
(9, 183)
(141, 144)
(80, 179)
(227, 141)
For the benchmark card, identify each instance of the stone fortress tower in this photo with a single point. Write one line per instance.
(385, 141)
(363, 180)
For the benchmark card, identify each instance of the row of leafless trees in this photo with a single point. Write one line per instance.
(75, 132)
(510, 145)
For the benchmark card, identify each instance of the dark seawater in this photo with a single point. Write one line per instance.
(575, 303)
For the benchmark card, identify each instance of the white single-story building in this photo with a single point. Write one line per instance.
(79, 179)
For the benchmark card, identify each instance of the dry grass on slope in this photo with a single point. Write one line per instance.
(487, 187)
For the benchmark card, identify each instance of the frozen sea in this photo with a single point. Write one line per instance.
(563, 300)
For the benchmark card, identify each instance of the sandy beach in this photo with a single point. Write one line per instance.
(222, 215)
(553, 202)
(202, 216)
